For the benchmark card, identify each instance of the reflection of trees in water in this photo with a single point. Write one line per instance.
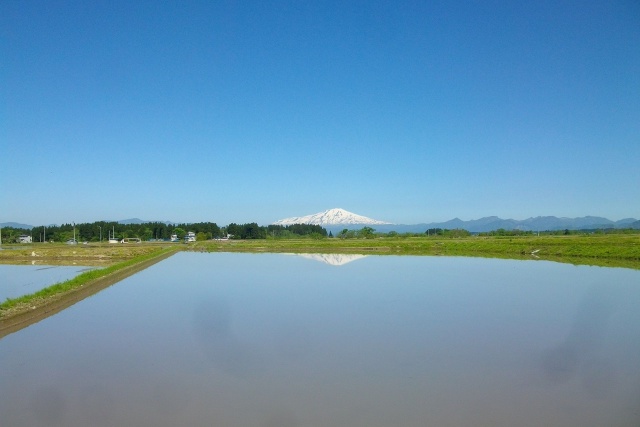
(578, 354)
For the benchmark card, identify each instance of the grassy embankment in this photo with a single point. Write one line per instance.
(613, 250)
(121, 261)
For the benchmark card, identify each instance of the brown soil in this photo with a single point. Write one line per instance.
(13, 321)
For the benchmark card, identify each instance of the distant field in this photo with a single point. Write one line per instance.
(605, 250)
(609, 250)
(63, 254)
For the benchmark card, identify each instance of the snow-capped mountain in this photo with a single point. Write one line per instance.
(335, 216)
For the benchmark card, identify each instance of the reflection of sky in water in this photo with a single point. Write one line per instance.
(274, 340)
(18, 280)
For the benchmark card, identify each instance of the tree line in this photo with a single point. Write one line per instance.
(150, 231)
(158, 231)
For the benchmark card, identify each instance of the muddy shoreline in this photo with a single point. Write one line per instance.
(15, 321)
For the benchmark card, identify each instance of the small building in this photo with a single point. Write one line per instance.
(131, 240)
(23, 238)
(190, 237)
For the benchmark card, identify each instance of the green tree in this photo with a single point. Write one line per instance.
(366, 232)
(434, 232)
(179, 232)
(347, 234)
(459, 232)
(147, 234)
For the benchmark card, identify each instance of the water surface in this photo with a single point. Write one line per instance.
(283, 340)
(18, 280)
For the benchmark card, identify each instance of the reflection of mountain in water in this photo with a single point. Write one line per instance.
(333, 259)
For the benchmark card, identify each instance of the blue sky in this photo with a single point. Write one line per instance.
(242, 111)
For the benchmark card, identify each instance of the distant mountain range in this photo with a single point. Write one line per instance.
(122, 221)
(338, 219)
(541, 223)
(15, 225)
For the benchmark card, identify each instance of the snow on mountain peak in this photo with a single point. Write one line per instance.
(330, 217)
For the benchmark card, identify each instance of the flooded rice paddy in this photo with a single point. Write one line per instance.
(19, 280)
(284, 340)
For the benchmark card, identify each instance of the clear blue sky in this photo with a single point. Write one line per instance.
(242, 111)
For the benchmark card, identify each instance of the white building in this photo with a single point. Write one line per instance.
(190, 237)
(23, 238)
